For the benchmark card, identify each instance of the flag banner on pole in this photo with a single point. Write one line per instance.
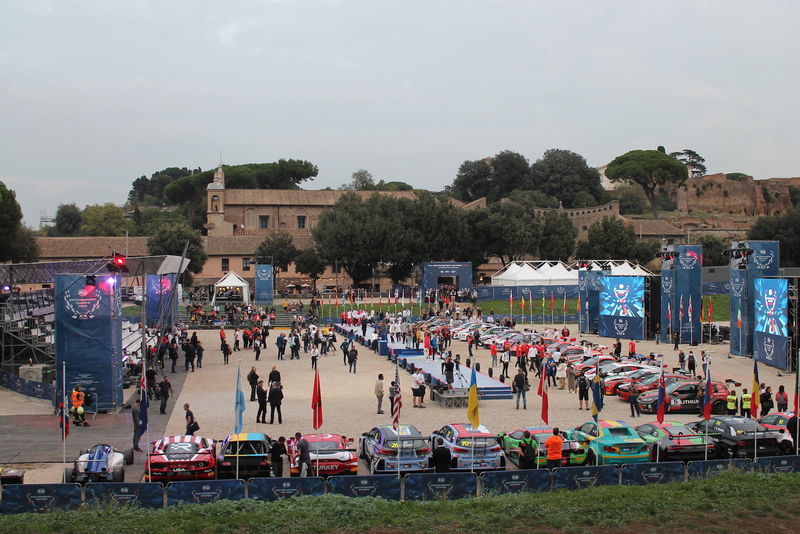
(565, 302)
(552, 302)
(756, 394)
(397, 401)
(710, 309)
(63, 419)
(669, 313)
(662, 397)
(739, 318)
(597, 395)
(145, 402)
(522, 303)
(680, 310)
(316, 402)
(707, 394)
(702, 318)
(690, 309)
(238, 405)
(545, 404)
(472, 405)
(542, 304)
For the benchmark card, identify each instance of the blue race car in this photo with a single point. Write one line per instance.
(101, 463)
(471, 448)
(387, 451)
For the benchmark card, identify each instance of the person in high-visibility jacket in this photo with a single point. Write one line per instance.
(733, 402)
(745, 404)
(78, 397)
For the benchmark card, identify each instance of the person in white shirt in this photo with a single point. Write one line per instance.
(418, 389)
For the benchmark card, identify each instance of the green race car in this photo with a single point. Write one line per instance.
(612, 443)
(573, 453)
(672, 441)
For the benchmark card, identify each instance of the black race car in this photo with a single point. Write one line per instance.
(738, 437)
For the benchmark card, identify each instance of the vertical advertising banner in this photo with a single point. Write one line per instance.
(763, 261)
(740, 333)
(89, 337)
(593, 287)
(668, 320)
(771, 333)
(162, 299)
(264, 284)
(622, 307)
(583, 300)
(687, 292)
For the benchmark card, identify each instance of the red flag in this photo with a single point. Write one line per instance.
(552, 302)
(565, 302)
(669, 313)
(543, 394)
(680, 310)
(710, 310)
(397, 401)
(510, 299)
(316, 402)
(739, 318)
(337, 296)
(662, 398)
(702, 320)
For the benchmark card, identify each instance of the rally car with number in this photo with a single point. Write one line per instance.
(685, 396)
(471, 449)
(786, 425)
(388, 451)
(331, 454)
(181, 458)
(572, 451)
(613, 382)
(244, 455)
(738, 437)
(647, 384)
(610, 369)
(672, 441)
(101, 463)
(612, 442)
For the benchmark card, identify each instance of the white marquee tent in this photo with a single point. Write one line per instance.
(232, 282)
(543, 273)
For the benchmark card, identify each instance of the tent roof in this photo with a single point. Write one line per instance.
(231, 280)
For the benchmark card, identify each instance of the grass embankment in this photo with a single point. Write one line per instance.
(733, 502)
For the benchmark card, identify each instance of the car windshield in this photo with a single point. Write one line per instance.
(746, 426)
(619, 432)
(678, 430)
(470, 441)
(406, 444)
(324, 446)
(181, 448)
(649, 380)
(641, 373)
(244, 448)
(675, 385)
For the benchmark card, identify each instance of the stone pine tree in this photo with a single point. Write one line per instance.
(650, 169)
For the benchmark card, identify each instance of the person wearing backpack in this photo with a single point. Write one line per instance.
(527, 446)
(691, 363)
(583, 390)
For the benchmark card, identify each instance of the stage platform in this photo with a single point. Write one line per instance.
(409, 358)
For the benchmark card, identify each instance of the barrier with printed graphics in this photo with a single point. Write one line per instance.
(585, 476)
(141, 494)
(40, 498)
(653, 473)
(385, 486)
(778, 464)
(710, 468)
(524, 480)
(204, 491)
(440, 486)
(272, 489)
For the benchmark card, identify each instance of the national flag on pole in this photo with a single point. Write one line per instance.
(707, 394)
(662, 397)
(578, 307)
(144, 403)
(472, 405)
(396, 296)
(756, 395)
(702, 319)
(669, 313)
(397, 401)
(510, 299)
(336, 292)
(543, 394)
(680, 310)
(565, 302)
(552, 302)
(739, 317)
(710, 310)
(597, 394)
(690, 309)
(522, 302)
(380, 301)
(238, 404)
(63, 419)
(316, 402)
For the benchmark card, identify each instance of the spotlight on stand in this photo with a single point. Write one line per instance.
(118, 263)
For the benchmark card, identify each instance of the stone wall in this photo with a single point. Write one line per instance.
(716, 194)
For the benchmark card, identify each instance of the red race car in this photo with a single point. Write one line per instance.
(181, 458)
(612, 383)
(648, 384)
(331, 454)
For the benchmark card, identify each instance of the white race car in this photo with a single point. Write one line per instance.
(101, 463)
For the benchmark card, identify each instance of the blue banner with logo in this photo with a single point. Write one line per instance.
(385, 486)
(687, 292)
(622, 307)
(273, 489)
(40, 498)
(204, 491)
(264, 284)
(709, 468)
(519, 481)
(653, 473)
(740, 334)
(716, 288)
(440, 486)
(450, 273)
(88, 329)
(668, 322)
(771, 335)
(778, 464)
(162, 299)
(585, 477)
(749, 261)
(139, 494)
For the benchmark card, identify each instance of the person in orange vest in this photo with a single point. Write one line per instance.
(78, 398)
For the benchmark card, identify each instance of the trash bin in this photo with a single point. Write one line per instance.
(11, 476)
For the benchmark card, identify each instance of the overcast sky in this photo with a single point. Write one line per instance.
(96, 93)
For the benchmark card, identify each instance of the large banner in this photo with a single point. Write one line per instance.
(622, 307)
(668, 321)
(687, 292)
(461, 273)
(771, 335)
(264, 284)
(89, 336)
(763, 262)
(162, 299)
(583, 301)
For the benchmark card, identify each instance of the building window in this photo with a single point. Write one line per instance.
(263, 221)
(336, 268)
(301, 221)
(226, 264)
(245, 264)
(584, 228)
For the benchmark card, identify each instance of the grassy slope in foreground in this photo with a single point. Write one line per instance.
(760, 501)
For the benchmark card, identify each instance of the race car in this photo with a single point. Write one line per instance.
(685, 396)
(101, 463)
(672, 441)
(388, 451)
(331, 454)
(591, 363)
(613, 382)
(785, 424)
(738, 437)
(647, 384)
(572, 452)
(246, 455)
(613, 368)
(470, 448)
(612, 442)
(181, 458)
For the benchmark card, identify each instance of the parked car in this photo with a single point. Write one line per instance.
(387, 451)
(648, 384)
(573, 452)
(612, 442)
(245, 454)
(181, 458)
(101, 463)
(331, 454)
(672, 441)
(612, 383)
(738, 437)
(785, 424)
(470, 448)
(685, 396)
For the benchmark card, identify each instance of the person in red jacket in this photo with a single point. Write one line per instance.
(631, 348)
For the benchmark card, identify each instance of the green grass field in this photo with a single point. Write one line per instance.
(732, 502)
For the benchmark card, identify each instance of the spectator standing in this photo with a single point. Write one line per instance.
(252, 379)
(191, 422)
(691, 364)
(519, 387)
(164, 392)
(766, 401)
(682, 360)
(527, 448)
(198, 350)
(441, 457)
(281, 344)
(782, 399)
(274, 375)
(379, 392)
(352, 360)
(633, 398)
(561, 374)
(554, 446)
(314, 357)
(226, 352)
(276, 454)
(261, 395)
(304, 455)
(583, 390)
(173, 354)
(275, 398)
(136, 411)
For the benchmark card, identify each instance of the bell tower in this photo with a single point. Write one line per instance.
(215, 210)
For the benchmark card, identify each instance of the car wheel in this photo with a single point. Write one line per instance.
(720, 408)
(118, 474)
(128, 455)
(591, 458)
(787, 447)
(69, 475)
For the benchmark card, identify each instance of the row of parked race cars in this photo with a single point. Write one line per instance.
(386, 450)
